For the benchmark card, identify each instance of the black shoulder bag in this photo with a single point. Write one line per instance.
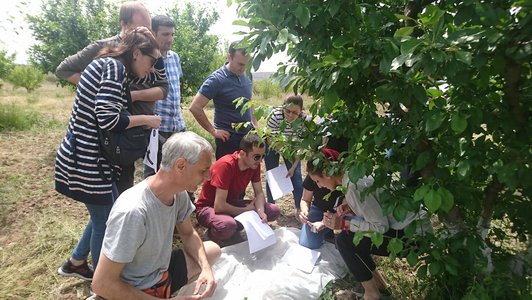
(122, 147)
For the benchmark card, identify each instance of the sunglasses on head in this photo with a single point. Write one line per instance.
(258, 157)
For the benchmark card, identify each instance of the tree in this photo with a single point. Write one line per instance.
(27, 77)
(63, 27)
(445, 87)
(6, 63)
(197, 49)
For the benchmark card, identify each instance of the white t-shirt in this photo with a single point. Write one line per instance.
(140, 232)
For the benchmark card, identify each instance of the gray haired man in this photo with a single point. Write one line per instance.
(137, 259)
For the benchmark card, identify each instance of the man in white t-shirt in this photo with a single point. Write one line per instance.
(137, 260)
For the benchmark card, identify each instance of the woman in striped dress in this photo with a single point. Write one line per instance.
(100, 96)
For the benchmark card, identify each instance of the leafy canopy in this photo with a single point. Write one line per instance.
(63, 27)
(442, 86)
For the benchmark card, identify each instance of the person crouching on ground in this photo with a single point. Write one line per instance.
(360, 213)
(137, 258)
(220, 198)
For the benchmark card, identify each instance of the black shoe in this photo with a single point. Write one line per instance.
(82, 271)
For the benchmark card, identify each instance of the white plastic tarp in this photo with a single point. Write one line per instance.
(262, 275)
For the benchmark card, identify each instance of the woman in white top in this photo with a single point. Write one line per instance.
(361, 212)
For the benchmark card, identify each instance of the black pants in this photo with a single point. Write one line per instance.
(358, 258)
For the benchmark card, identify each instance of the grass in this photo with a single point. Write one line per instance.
(39, 228)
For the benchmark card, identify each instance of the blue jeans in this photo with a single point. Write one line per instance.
(309, 239)
(92, 238)
(272, 160)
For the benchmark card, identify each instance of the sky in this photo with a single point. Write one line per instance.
(16, 37)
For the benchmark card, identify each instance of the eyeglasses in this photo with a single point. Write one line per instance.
(154, 59)
(258, 157)
(292, 112)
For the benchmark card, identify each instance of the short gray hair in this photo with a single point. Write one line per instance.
(187, 145)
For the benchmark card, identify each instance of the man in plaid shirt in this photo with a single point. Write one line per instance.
(169, 108)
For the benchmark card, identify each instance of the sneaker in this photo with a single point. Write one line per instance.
(82, 271)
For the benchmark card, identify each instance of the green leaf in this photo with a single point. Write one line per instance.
(341, 41)
(403, 31)
(359, 235)
(422, 272)
(303, 15)
(240, 23)
(458, 123)
(412, 258)
(432, 200)
(419, 94)
(330, 98)
(409, 46)
(395, 246)
(434, 93)
(257, 60)
(421, 192)
(283, 36)
(434, 268)
(451, 269)
(422, 160)
(434, 122)
(447, 199)
(357, 171)
(399, 61)
(385, 66)
(463, 168)
(400, 212)
(403, 17)
(334, 6)
(464, 57)
(377, 238)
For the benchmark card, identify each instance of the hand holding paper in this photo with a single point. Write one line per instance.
(260, 235)
(150, 159)
(278, 181)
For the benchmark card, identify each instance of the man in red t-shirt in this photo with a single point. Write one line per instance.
(220, 199)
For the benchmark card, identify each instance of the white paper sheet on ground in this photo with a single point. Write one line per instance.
(301, 257)
(259, 235)
(262, 275)
(150, 159)
(279, 184)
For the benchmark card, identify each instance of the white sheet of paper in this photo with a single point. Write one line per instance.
(150, 159)
(280, 185)
(301, 258)
(259, 235)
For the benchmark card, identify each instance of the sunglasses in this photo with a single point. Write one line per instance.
(258, 157)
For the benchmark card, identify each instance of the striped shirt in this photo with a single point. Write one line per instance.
(277, 122)
(170, 108)
(78, 62)
(100, 96)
